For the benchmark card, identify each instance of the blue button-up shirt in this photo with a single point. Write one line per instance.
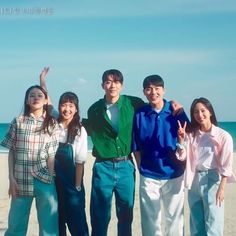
(154, 135)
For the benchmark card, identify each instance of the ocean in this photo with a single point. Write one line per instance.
(228, 126)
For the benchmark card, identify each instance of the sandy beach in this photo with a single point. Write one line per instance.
(230, 206)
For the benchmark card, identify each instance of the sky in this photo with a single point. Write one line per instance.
(190, 44)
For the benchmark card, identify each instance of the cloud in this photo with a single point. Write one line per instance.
(81, 81)
(75, 83)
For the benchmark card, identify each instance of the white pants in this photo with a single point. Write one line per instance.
(171, 194)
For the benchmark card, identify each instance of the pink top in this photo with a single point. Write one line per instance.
(223, 150)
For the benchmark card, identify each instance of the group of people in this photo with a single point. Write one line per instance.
(48, 149)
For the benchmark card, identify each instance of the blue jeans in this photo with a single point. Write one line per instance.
(46, 205)
(71, 203)
(206, 218)
(109, 178)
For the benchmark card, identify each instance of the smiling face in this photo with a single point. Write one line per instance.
(112, 88)
(36, 100)
(68, 108)
(154, 95)
(67, 111)
(202, 115)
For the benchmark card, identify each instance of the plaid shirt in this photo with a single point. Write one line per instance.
(32, 150)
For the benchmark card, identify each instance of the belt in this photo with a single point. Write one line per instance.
(114, 159)
(208, 170)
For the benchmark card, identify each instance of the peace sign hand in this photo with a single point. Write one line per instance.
(181, 131)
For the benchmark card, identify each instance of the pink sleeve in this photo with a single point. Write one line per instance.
(183, 155)
(225, 160)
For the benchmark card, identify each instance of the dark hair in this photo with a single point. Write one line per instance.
(194, 125)
(116, 74)
(49, 120)
(75, 123)
(153, 80)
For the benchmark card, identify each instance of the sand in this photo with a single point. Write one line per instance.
(230, 205)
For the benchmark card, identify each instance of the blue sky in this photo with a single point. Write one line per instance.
(190, 43)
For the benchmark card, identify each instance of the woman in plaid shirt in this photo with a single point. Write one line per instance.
(32, 141)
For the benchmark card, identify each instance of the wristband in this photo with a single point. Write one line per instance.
(78, 188)
(180, 146)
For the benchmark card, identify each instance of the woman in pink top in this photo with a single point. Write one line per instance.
(208, 151)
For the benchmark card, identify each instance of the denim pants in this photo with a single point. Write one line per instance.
(71, 203)
(46, 205)
(206, 218)
(155, 194)
(108, 178)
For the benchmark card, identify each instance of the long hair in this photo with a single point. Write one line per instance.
(49, 121)
(194, 125)
(75, 123)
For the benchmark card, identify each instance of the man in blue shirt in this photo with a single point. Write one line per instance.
(161, 175)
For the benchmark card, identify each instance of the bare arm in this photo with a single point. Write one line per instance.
(221, 191)
(13, 187)
(79, 174)
(42, 78)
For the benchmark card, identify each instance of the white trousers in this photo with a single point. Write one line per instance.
(169, 193)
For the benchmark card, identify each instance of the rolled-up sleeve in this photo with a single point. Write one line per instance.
(9, 140)
(225, 160)
(182, 156)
